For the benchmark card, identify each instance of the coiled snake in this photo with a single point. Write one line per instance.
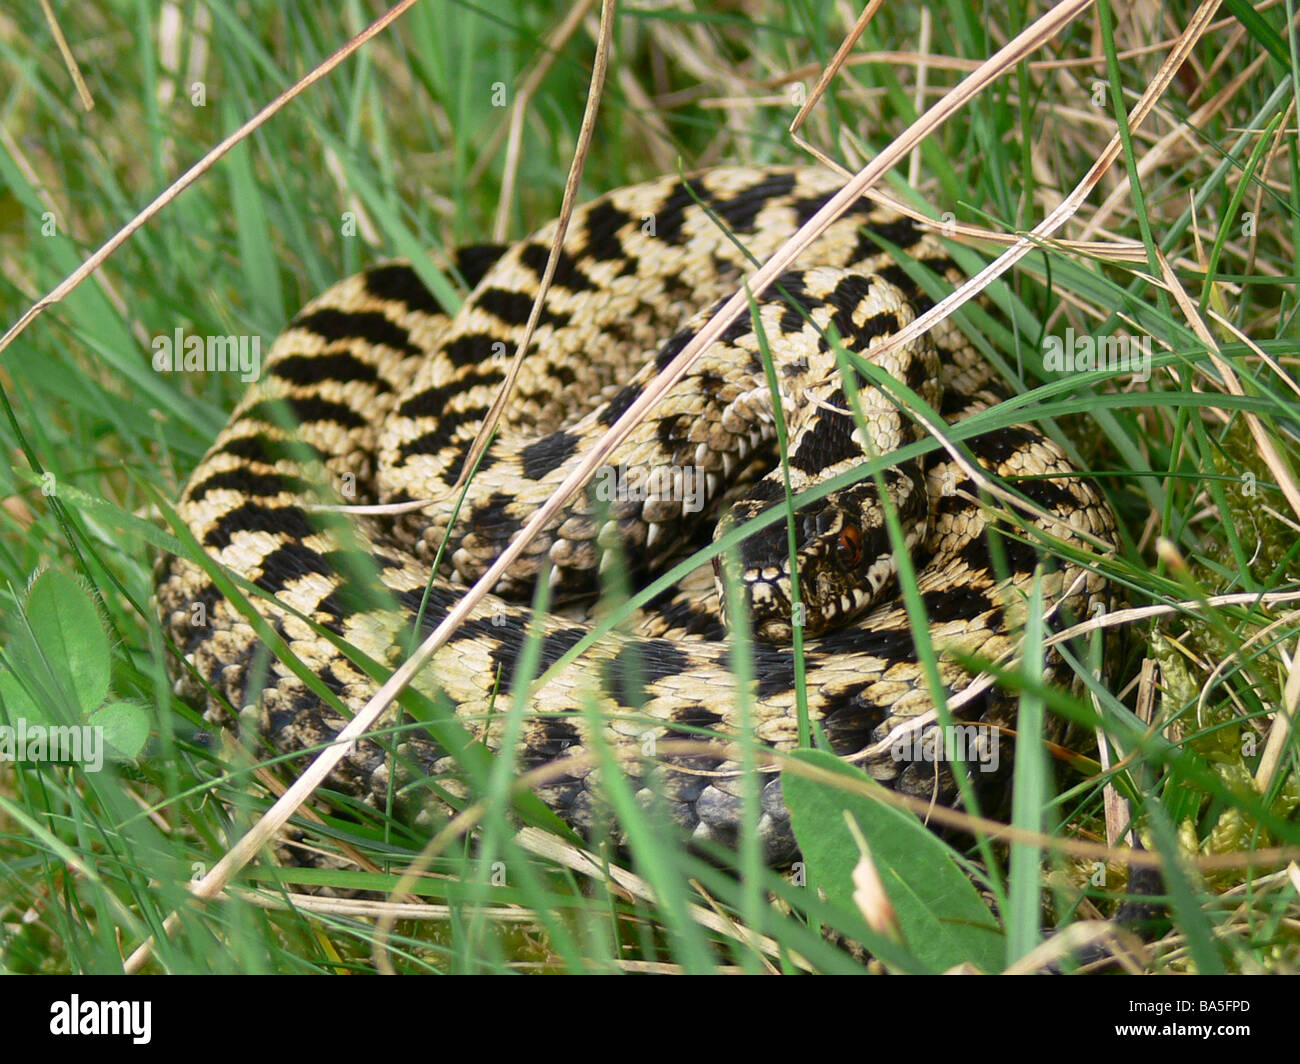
(374, 393)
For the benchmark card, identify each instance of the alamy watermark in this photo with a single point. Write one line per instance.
(1079, 354)
(975, 744)
(92, 1017)
(684, 484)
(82, 744)
(210, 354)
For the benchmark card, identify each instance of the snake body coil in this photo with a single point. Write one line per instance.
(374, 393)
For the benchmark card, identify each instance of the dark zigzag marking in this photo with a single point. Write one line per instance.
(473, 348)
(258, 448)
(473, 262)
(196, 634)
(896, 275)
(884, 323)
(766, 490)
(829, 440)
(433, 402)
(513, 308)
(339, 366)
(459, 452)
(435, 440)
(604, 220)
(671, 215)
(690, 717)
(977, 555)
(349, 599)
(559, 736)
(1050, 493)
(773, 667)
(304, 410)
(247, 482)
(399, 283)
(638, 664)
(617, 406)
(460, 456)
(435, 609)
(740, 212)
(491, 515)
(288, 521)
(568, 274)
(548, 454)
(845, 298)
(902, 233)
(952, 403)
(1021, 557)
(673, 431)
(370, 326)
(849, 293)
(849, 718)
(938, 265)
(290, 561)
(958, 604)
(917, 372)
(1000, 444)
(675, 346)
(891, 645)
(357, 590)
(805, 208)
(510, 637)
(685, 616)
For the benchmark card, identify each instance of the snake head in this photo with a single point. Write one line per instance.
(843, 557)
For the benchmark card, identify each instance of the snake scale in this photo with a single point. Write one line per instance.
(375, 391)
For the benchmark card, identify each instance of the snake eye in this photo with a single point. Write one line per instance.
(848, 548)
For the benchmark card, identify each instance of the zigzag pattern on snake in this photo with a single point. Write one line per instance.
(375, 391)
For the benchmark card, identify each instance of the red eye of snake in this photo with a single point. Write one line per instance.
(848, 549)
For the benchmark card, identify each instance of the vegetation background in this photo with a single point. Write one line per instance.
(459, 125)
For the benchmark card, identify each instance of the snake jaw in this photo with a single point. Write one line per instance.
(842, 569)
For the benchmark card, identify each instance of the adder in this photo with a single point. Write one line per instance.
(376, 389)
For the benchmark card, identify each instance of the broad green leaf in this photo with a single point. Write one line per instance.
(17, 703)
(68, 632)
(943, 919)
(126, 727)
